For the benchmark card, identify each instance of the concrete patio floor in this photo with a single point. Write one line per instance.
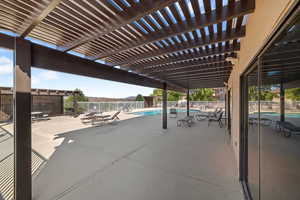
(136, 159)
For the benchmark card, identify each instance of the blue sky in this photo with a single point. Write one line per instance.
(55, 80)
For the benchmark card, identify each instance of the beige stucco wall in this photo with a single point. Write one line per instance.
(261, 24)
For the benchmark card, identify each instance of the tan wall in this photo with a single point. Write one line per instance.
(261, 24)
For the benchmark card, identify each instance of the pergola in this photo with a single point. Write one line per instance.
(168, 44)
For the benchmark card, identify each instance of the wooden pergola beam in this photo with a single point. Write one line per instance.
(141, 12)
(207, 77)
(187, 66)
(190, 56)
(195, 70)
(52, 5)
(209, 73)
(52, 59)
(213, 17)
(216, 38)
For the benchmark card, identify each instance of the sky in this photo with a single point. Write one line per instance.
(46, 79)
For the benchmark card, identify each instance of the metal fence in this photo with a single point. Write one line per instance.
(202, 105)
(274, 106)
(266, 106)
(110, 106)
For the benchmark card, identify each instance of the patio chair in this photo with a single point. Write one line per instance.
(88, 117)
(200, 116)
(106, 118)
(288, 128)
(173, 113)
(185, 122)
(217, 118)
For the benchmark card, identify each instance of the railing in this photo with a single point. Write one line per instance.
(110, 106)
(266, 106)
(202, 105)
(274, 106)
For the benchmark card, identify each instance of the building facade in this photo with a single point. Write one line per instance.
(265, 63)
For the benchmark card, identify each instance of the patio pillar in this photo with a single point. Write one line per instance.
(75, 103)
(62, 105)
(188, 102)
(164, 107)
(282, 111)
(22, 119)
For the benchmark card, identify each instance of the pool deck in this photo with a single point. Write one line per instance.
(133, 160)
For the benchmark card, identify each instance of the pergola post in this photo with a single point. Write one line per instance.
(75, 103)
(22, 119)
(188, 102)
(62, 105)
(164, 106)
(282, 111)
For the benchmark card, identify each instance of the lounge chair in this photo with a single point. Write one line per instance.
(88, 117)
(288, 128)
(217, 118)
(185, 122)
(106, 118)
(206, 115)
(173, 112)
(201, 115)
(39, 116)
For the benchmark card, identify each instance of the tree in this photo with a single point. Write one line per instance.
(139, 97)
(78, 97)
(293, 94)
(266, 93)
(172, 95)
(157, 93)
(202, 94)
(253, 93)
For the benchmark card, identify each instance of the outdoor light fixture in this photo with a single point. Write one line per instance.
(232, 60)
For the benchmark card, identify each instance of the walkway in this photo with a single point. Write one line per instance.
(137, 160)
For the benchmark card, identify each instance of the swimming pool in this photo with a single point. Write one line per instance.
(157, 112)
(275, 114)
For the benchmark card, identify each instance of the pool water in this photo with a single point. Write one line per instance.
(275, 114)
(157, 112)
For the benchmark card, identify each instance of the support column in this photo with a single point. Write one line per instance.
(188, 102)
(282, 111)
(75, 103)
(22, 119)
(164, 108)
(62, 106)
(228, 113)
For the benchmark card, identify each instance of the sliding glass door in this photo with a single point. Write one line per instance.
(251, 131)
(270, 156)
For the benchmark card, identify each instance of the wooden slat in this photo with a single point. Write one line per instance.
(215, 39)
(205, 64)
(186, 65)
(203, 70)
(200, 72)
(185, 10)
(201, 75)
(175, 13)
(183, 27)
(155, 6)
(207, 6)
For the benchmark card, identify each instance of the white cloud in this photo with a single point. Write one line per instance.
(6, 65)
(49, 75)
(35, 80)
(43, 76)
